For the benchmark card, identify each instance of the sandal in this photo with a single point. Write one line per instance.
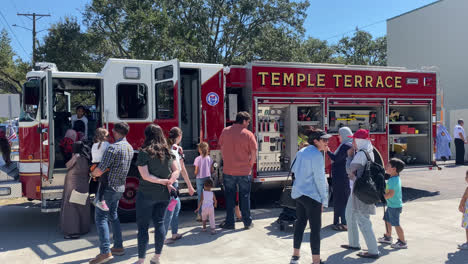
(169, 241)
(350, 247)
(336, 227)
(368, 255)
(342, 228)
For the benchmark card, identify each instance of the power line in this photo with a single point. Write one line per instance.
(13, 33)
(16, 9)
(34, 16)
(347, 32)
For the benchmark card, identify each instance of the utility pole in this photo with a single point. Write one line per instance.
(33, 15)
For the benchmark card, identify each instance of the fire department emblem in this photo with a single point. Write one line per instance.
(212, 98)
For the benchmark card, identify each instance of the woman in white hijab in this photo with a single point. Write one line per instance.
(340, 180)
(357, 212)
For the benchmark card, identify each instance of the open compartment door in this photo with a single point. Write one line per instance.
(47, 127)
(165, 77)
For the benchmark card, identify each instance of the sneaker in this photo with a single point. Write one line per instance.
(294, 260)
(400, 245)
(101, 205)
(249, 226)
(118, 251)
(101, 258)
(463, 246)
(155, 260)
(385, 240)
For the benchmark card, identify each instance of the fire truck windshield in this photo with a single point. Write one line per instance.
(30, 100)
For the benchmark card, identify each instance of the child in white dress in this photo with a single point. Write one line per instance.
(208, 203)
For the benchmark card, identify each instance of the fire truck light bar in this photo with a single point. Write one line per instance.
(5, 191)
(131, 73)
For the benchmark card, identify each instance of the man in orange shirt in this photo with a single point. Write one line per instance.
(239, 150)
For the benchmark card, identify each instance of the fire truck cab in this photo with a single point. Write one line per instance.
(137, 92)
(397, 106)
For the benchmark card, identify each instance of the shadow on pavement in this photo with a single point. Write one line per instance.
(342, 257)
(411, 194)
(457, 257)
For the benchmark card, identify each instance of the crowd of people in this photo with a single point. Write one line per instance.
(160, 162)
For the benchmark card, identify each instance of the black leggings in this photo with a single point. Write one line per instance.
(103, 182)
(308, 209)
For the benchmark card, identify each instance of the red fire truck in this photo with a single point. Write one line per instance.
(397, 106)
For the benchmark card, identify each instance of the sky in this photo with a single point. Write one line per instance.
(326, 19)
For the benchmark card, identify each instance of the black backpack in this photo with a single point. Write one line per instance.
(370, 187)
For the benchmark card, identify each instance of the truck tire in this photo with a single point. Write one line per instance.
(127, 204)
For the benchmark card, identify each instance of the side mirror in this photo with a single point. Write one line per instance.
(31, 92)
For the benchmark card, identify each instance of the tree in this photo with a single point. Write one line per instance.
(12, 71)
(68, 47)
(361, 49)
(216, 31)
(317, 51)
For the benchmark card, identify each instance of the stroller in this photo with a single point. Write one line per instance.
(288, 215)
(286, 218)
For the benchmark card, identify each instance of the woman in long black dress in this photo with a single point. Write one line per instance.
(340, 180)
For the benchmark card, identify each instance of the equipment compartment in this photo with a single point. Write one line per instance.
(410, 133)
(280, 133)
(356, 116)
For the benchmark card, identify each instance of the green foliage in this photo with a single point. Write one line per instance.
(12, 71)
(211, 31)
(361, 49)
(206, 31)
(67, 47)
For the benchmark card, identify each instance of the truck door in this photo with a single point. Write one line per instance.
(46, 127)
(165, 78)
(212, 102)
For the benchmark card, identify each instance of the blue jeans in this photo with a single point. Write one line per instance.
(230, 189)
(172, 219)
(102, 218)
(147, 209)
(200, 184)
(356, 219)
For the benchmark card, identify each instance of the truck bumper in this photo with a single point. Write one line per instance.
(10, 189)
(271, 179)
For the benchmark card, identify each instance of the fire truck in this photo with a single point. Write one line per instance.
(397, 106)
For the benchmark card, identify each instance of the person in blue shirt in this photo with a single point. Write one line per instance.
(394, 205)
(310, 190)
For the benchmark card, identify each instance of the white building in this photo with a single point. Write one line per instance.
(436, 35)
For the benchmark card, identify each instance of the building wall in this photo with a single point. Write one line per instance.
(435, 36)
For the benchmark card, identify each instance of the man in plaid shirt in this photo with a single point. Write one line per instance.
(117, 158)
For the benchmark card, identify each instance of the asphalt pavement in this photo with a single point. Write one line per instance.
(430, 220)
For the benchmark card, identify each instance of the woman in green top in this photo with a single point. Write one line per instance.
(158, 172)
